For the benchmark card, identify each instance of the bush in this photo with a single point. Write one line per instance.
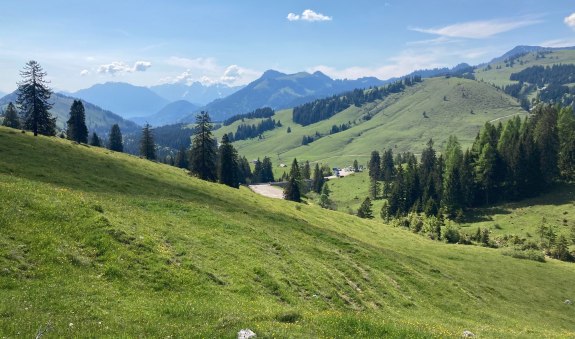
(534, 255)
(451, 234)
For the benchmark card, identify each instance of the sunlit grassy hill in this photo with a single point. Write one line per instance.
(436, 108)
(101, 244)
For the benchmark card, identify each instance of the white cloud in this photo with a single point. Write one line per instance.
(308, 15)
(141, 66)
(84, 72)
(208, 72)
(121, 67)
(570, 42)
(570, 20)
(478, 29)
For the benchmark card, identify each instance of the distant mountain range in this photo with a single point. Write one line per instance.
(169, 114)
(196, 93)
(97, 119)
(279, 90)
(124, 99)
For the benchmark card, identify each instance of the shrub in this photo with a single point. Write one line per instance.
(451, 234)
(534, 255)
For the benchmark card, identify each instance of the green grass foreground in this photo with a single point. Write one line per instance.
(101, 244)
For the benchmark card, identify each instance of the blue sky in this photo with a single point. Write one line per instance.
(80, 43)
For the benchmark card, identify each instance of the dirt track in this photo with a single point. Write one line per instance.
(268, 190)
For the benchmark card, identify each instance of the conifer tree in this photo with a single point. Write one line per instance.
(267, 173)
(547, 141)
(203, 154)
(324, 200)
(244, 170)
(11, 118)
(293, 190)
(147, 145)
(181, 158)
(374, 166)
(116, 143)
(77, 130)
(566, 128)
(33, 99)
(365, 210)
(95, 140)
(318, 180)
(306, 171)
(228, 164)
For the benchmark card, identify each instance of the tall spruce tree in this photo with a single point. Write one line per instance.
(318, 180)
(566, 128)
(147, 145)
(33, 99)
(11, 118)
(77, 130)
(228, 164)
(374, 166)
(182, 159)
(116, 143)
(95, 140)
(204, 150)
(365, 210)
(547, 140)
(293, 190)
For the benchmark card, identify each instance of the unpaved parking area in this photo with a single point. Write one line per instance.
(268, 190)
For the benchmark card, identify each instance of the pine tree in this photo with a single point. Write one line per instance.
(318, 180)
(566, 128)
(486, 170)
(95, 140)
(244, 170)
(33, 96)
(115, 142)
(11, 118)
(355, 166)
(306, 171)
(228, 164)
(267, 173)
(181, 159)
(77, 130)
(324, 200)
(147, 145)
(365, 210)
(374, 188)
(374, 166)
(203, 155)
(547, 140)
(293, 189)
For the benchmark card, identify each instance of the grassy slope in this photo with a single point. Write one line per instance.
(96, 118)
(500, 77)
(397, 122)
(98, 243)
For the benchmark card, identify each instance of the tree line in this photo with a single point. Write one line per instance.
(323, 109)
(259, 113)
(506, 162)
(246, 131)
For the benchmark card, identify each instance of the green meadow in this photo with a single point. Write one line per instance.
(101, 244)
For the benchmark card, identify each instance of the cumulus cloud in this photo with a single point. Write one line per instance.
(308, 15)
(570, 20)
(121, 67)
(84, 72)
(478, 29)
(208, 72)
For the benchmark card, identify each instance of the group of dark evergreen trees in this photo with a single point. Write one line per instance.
(323, 109)
(245, 131)
(259, 113)
(506, 162)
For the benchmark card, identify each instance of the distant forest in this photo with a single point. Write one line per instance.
(323, 109)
